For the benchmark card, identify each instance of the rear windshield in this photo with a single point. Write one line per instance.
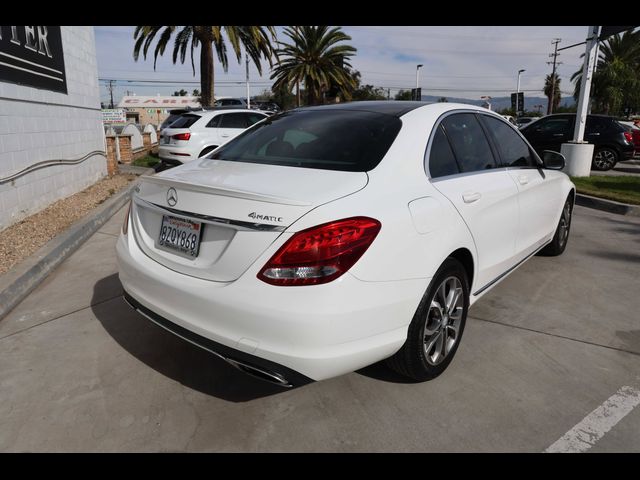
(185, 121)
(169, 120)
(345, 140)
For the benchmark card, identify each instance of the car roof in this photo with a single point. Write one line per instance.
(214, 112)
(395, 108)
(591, 115)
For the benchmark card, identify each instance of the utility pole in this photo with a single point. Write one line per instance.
(110, 87)
(553, 75)
(248, 96)
(295, 29)
(388, 94)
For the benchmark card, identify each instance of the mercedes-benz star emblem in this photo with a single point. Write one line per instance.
(172, 197)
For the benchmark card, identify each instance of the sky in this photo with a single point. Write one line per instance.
(466, 62)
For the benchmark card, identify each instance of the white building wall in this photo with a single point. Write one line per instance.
(38, 125)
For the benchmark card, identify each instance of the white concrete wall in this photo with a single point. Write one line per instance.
(150, 128)
(38, 125)
(136, 136)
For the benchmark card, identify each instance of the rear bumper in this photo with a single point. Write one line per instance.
(175, 154)
(256, 366)
(627, 154)
(314, 332)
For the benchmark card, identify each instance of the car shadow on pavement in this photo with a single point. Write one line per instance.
(631, 340)
(620, 256)
(380, 371)
(172, 356)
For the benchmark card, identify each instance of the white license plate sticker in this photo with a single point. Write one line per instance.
(180, 236)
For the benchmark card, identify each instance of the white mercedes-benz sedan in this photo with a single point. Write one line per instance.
(325, 239)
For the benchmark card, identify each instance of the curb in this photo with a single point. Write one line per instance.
(21, 280)
(607, 205)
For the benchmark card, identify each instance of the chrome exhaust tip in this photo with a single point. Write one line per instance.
(271, 377)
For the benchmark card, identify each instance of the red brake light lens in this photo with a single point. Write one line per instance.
(320, 254)
(628, 136)
(182, 136)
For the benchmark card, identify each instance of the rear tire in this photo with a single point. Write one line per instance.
(437, 326)
(561, 237)
(604, 159)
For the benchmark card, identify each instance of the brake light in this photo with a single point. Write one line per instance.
(320, 254)
(181, 136)
(628, 136)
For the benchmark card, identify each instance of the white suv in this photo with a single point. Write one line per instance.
(195, 134)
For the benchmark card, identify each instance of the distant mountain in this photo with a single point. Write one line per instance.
(498, 103)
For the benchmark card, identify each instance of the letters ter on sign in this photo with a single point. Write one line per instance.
(32, 56)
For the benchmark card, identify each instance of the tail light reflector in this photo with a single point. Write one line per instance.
(181, 136)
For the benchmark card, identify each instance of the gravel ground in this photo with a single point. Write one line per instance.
(25, 237)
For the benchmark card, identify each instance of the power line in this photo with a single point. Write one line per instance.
(176, 82)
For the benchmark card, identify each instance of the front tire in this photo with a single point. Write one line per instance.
(437, 326)
(561, 237)
(604, 159)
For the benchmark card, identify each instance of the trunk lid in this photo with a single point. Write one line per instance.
(242, 207)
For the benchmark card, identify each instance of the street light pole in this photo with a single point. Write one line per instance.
(417, 78)
(518, 93)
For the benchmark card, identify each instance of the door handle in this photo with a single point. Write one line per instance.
(523, 179)
(224, 136)
(594, 133)
(471, 197)
(558, 134)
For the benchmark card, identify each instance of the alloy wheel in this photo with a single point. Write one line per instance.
(441, 328)
(604, 159)
(565, 222)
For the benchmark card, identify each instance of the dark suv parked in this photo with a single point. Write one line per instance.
(611, 141)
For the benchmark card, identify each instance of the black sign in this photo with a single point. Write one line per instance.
(32, 56)
(517, 102)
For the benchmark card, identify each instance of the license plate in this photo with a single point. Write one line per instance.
(180, 236)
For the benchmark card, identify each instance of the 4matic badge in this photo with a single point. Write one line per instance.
(257, 216)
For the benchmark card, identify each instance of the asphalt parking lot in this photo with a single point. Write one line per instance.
(550, 355)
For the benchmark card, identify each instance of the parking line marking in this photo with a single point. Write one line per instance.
(594, 426)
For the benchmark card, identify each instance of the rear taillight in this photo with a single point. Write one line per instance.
(125, 225)
(181, 136)
(320, 254)
(628, 136)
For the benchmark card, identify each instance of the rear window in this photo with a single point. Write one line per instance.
(351, 141)
(185, 121)
(168, 121)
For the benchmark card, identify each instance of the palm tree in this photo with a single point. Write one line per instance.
(315, 58)
(616, 81)
(552, 86)
(257, 42)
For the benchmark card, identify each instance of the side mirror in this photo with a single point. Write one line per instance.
(553, 160)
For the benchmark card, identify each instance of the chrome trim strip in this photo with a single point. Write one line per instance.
(502, 275)
(236, 224)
